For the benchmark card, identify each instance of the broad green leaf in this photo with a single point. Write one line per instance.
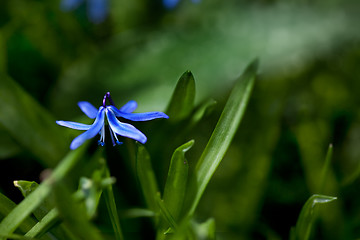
(30, 124)
(221, 137)
(73, 214)
(175, 185)
(182, 100)
(165, 212)
(12, 221)
(146, 177)
(308, 215)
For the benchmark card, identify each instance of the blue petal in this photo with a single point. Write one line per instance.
(69, 5)
(129, 107)
(88, 109)
(92, 132)
(124, 129)
(170, 4)
(74, 125)
(97, 10)
(138, 116)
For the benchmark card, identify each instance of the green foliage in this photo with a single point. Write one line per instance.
(201, 165)
(308, 215)
(146, 178)
(182, 101)
(6, 206)
(221, 138)
(175, 187)
(30, 124)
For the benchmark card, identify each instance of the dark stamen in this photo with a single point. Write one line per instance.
(108, 97)
(104, 101)
(112, 137)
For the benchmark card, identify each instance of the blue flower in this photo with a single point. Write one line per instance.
(97, 9)
(170, 4)
(115, 126)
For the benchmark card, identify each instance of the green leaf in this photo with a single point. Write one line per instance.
(308, 215)
(45, 213)
(221, 137)
(14, 219)
(6, 206)
(138, 212)
(91, 189)
(202, 111)
(326, 168)
(30, 124)
(91, 193)
(205, 230)
(175, 186)
(26, 187)
(17, 237)
(182, 100)
(165, 212)
(146, 178)
(48, 221)
(112, 210)
(74, 215)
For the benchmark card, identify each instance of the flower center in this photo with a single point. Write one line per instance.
(113, 135)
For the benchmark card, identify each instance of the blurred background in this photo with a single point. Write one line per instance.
(305, 98)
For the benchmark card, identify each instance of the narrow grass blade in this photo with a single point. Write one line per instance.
(176, 181)
(45, 213)
(30, 124)
(48, 221)
(221, 137)
(26, 188)
(9, 224)
(111, 206)
(326, 167)
(73, 214)
(6, 206)
(182, 100)
(146, 178)
(308, 215)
